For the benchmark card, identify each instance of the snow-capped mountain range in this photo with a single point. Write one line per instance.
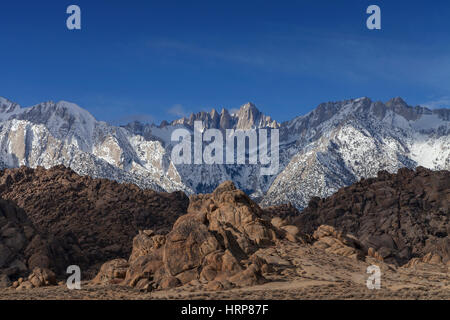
(334, 145)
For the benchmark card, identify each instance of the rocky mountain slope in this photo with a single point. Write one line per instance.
(226, 242)
(401, 216)
(339, 143)
(215, 242)
(23, 247)
(333, 146)
(51, 134)
(93, 220)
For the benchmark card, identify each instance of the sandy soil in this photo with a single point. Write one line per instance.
(300, 272)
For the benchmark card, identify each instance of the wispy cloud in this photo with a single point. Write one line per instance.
(117, 110)
(231, 55)
(325, 54)
(177, 110)
(442, 102)
(143, 118)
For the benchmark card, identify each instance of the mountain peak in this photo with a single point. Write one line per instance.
(399, 106)
(214, 113)
(362, 99)
(397, 101)
(249, 117)
(75, 110)
(8, 107)
(249, 106)
(4, 100)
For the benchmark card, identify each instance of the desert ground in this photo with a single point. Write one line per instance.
(300, 272)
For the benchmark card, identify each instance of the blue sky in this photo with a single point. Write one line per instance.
(155, 60)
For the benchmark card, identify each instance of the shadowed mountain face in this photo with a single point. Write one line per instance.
(333, 146)
(23, 247)
(100, 217)
(402, 216)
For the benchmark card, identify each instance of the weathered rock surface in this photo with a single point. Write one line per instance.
(335, 242)
(41, 277)
(429, 258)
(400, 216)
(214, 243)
(112, 272)
(93, 219)
(22, 247)
(5, 282)
(284, 211)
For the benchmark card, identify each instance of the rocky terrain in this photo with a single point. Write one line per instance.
(227, 247)
(402, 216)
(93, 220)
(217, 242)
(302, 273)
(22, 247)
(334, 145)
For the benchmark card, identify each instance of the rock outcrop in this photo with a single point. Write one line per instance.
(286, 212)
(397, 216)
(40, 277)
(335, 242)
(94, 220)
(112, 272)
(22, 247)
(214, 244)
(429, 258)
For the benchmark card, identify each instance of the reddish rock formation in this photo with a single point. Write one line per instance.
(225, 239)
(335, 242)
(215, 243)
(22, 248)
(284, 211)
(400, 216)
(112, 272)
(41, 277)
(94, 219)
